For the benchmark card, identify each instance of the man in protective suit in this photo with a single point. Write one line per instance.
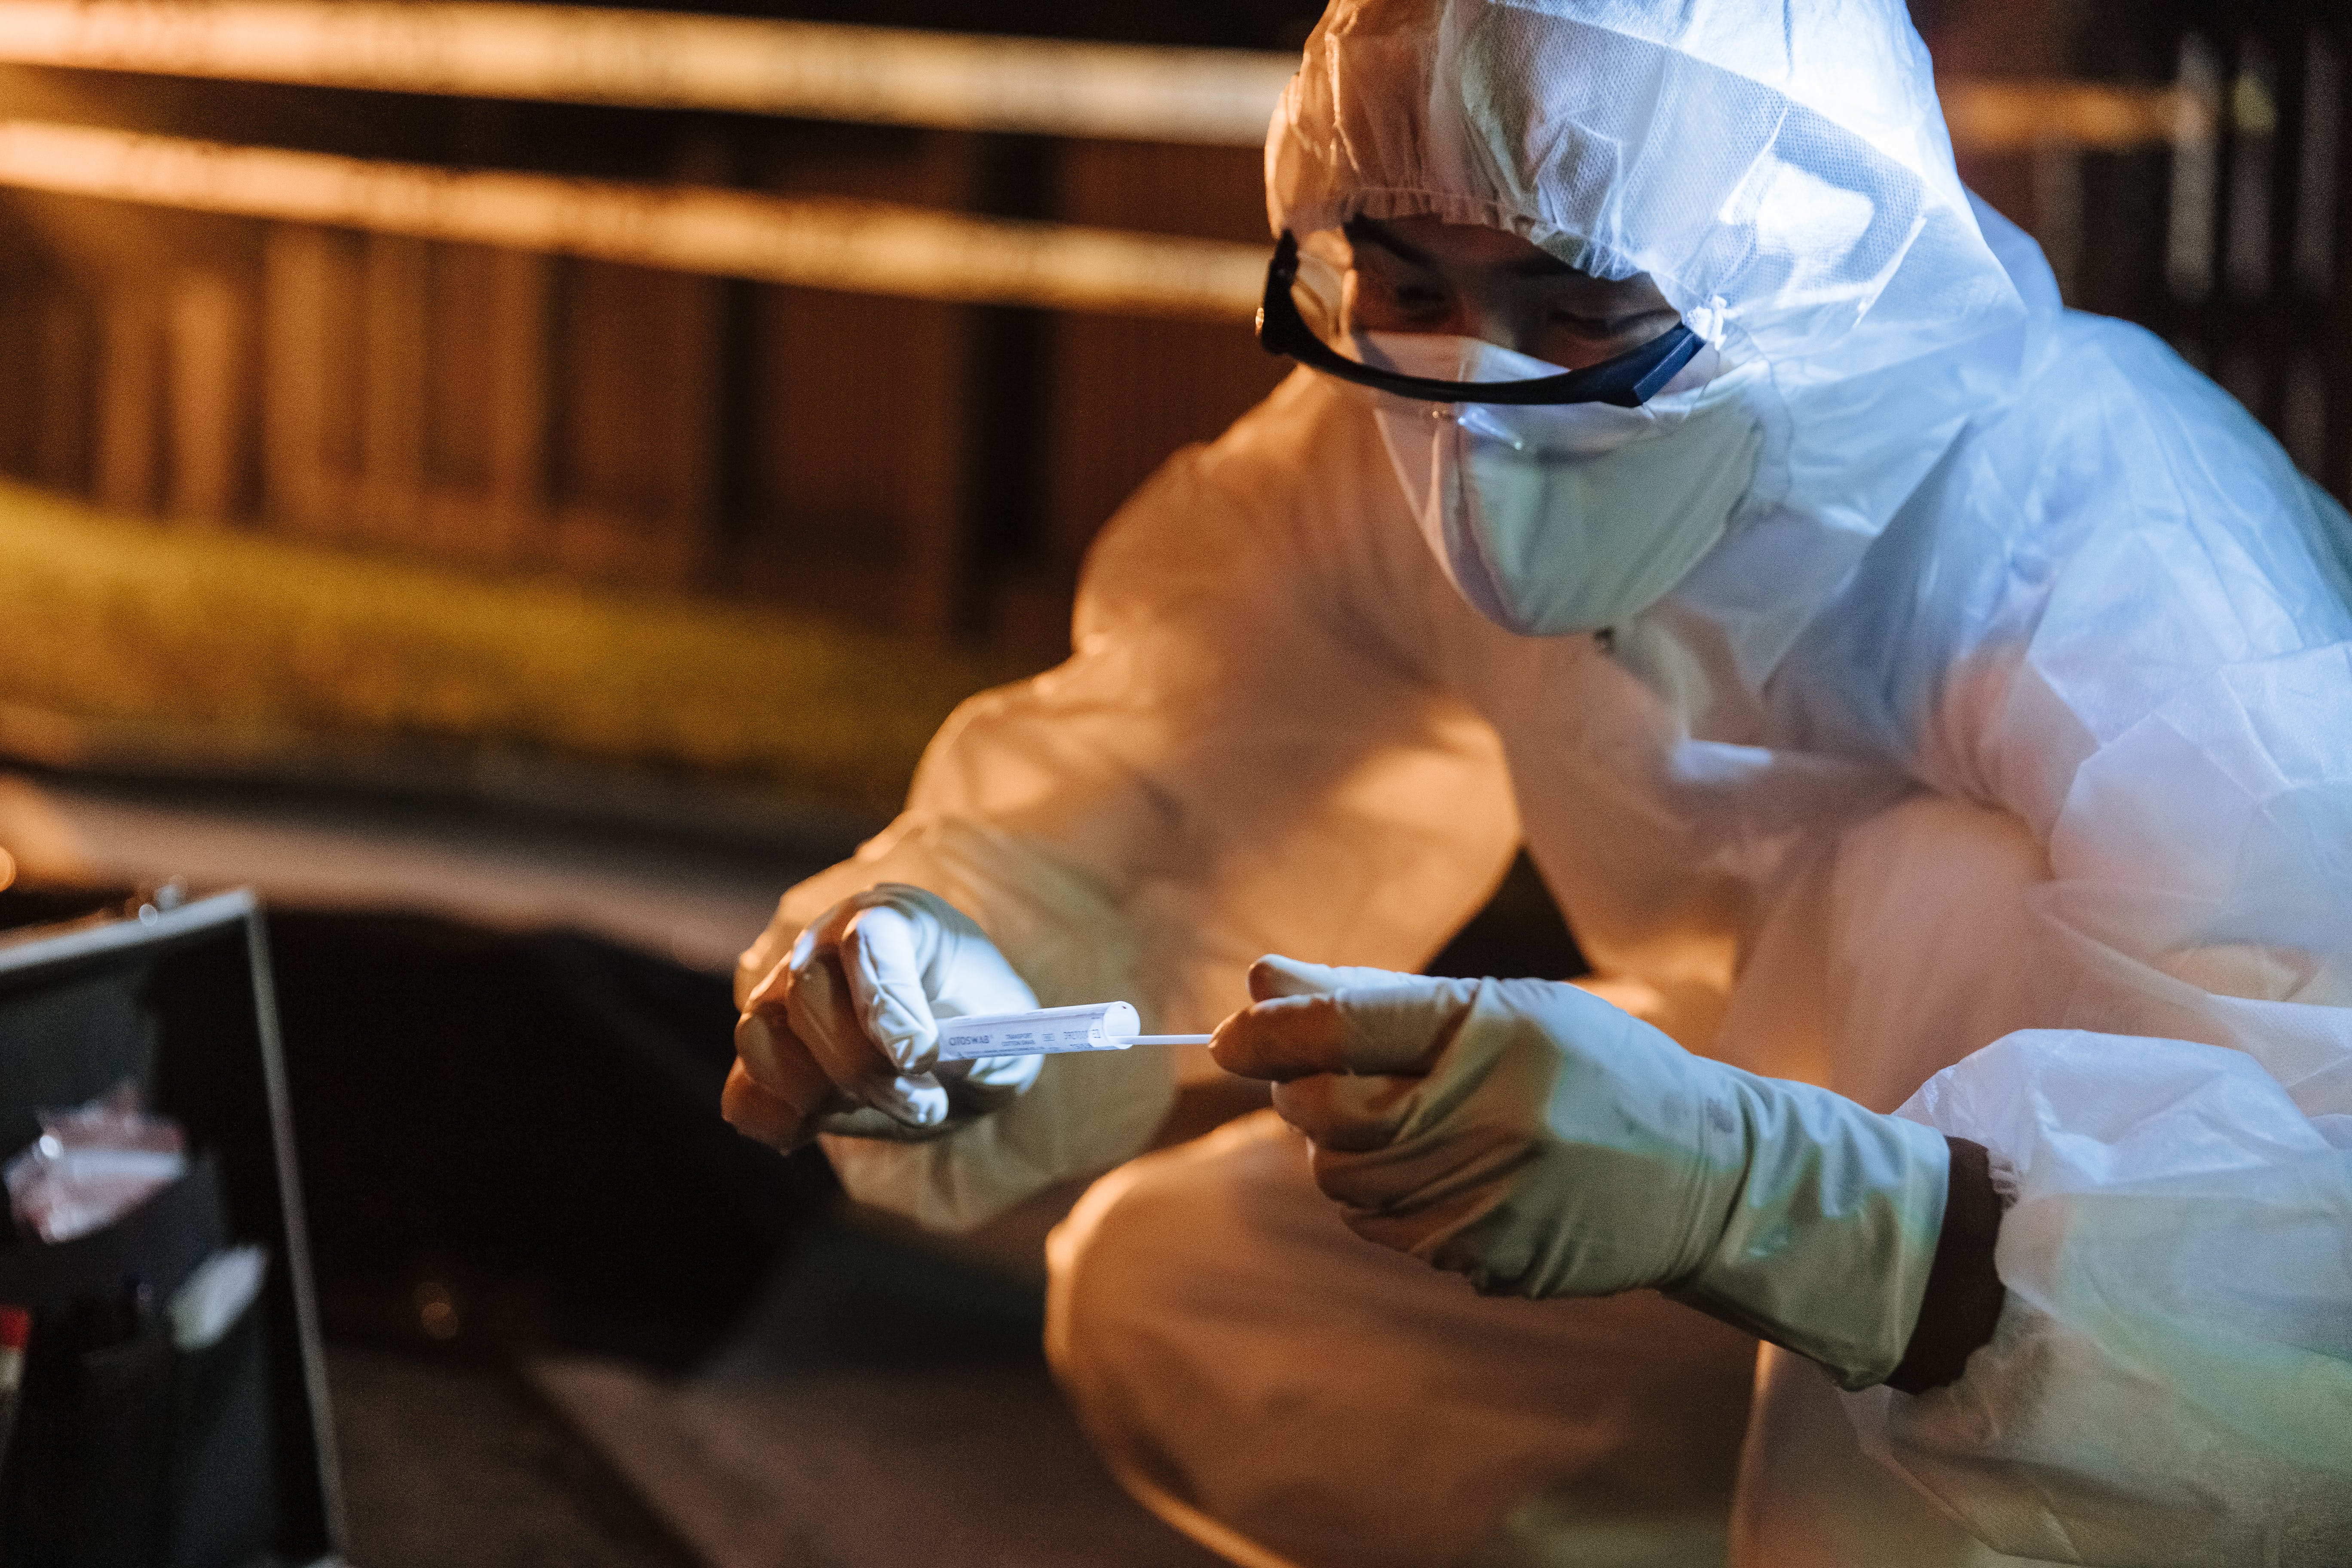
(1932, 709)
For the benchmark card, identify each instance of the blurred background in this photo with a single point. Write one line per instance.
(517, 386)
(521, 484)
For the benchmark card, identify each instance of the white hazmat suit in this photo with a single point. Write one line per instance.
(1995, 763)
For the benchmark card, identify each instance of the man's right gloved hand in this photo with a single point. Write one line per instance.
(1545, 1143)
(842, 1035)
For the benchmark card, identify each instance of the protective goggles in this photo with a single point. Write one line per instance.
(1301, 320)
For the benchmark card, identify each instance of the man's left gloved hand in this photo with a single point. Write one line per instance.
(1545, 1143)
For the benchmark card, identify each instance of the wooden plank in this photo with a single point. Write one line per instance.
(634, 448)
(852, 245)
(395, 317)
(127, 471)
(63, 412)
(306, 285)
(806, 71)
(209, 398)
(522, 296)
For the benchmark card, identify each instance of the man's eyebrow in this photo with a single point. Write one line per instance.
(1364, 228)
(1541, 267)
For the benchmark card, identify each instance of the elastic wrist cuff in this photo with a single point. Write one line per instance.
(1963, 1299)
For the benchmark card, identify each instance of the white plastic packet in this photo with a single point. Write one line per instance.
(216, 1296)
(92, 1165)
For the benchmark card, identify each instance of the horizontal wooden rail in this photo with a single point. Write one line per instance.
(1988, 117)
(888, 76)
(654, 59)
(865, 248)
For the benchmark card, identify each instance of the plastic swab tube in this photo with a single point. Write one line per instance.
(1095, 1026)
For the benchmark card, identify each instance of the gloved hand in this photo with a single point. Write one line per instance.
(1545, 1143)
(840, 1036)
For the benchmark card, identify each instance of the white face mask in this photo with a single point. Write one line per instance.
(1566, 518)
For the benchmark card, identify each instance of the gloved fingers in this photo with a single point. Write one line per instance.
(823, 1014)
(1396, 1027)
(882, 958)
(1403, 1026)
(1347, 1115)
(778, 1063)
(849, 1120)
(1275, 975)
(860, 995)
(974, 977)
(778, 1094)
(767, 952)
(825, 932)
(763, 1117)
(987, 1083)
(987, 1075)
(818, 1009)
(1282, 1038)
(756, 968)
(771, 1055)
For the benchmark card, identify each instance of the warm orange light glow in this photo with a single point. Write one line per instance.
(811, 70)
(877, 75)
(1988, 117)
(436, 1310)
(869, 247)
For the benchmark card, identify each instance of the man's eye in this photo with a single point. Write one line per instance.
(1602, 328)
(1417, 297)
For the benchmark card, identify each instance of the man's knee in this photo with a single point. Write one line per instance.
(1158, 1232)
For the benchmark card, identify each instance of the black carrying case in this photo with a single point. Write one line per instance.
(133, 1453)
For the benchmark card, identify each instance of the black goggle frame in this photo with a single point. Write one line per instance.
(1626, 381)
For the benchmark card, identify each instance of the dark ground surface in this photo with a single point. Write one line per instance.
(450, 1465)
(972, 1466)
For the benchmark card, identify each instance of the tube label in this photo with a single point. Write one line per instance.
(1049, 1031)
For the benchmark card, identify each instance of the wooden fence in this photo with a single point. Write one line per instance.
(689, 374)
(2236, 242)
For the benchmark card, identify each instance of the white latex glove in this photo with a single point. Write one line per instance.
(842, 1035)
(1545, 1143)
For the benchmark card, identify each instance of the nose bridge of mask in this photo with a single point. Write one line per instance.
(1570, 429)
(1436, 356)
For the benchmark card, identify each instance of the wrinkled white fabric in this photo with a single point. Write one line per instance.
(2020, 559)
(1209, 1312)
(1571, 517)
(2136, 1344)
